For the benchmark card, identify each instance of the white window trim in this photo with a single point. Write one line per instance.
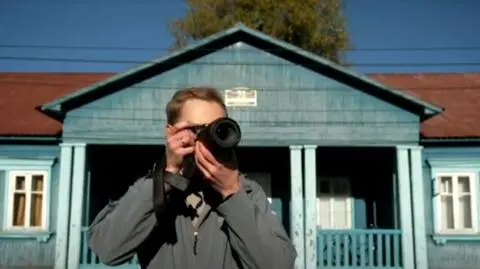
(474, 201)
(348, 200)
(11, 179)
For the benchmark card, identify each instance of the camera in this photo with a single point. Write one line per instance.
(220, 137)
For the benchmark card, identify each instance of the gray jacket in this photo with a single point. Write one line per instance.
(241, 233)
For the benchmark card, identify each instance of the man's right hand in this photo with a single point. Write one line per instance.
(180, 142)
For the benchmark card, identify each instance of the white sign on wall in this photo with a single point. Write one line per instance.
(240, 97)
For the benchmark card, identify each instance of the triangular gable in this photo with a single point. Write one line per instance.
(240, 32)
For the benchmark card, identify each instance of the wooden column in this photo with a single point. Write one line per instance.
(418, 198)
(310, 187)
(297, 205)
(76, 208)
(63, 206)
(405, 202)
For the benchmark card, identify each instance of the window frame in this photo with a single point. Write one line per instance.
(454, 172)
(11, 178)
(348, 200)
(8, 164)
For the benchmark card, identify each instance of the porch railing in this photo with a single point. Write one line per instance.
(346, 249)
(88, 259)
(359, 248)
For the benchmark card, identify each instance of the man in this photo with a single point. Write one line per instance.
(233, 226)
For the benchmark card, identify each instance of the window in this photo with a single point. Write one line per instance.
(334, 204)
(456, 203)
(27, 200)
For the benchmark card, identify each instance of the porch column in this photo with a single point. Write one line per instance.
(63, 206)
(417, 180)
(296, 209)
(76, 208)
(405, 205)
(310, 187)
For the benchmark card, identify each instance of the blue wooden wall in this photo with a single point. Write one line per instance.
(450, 252)
(33, 249)
(303, 106)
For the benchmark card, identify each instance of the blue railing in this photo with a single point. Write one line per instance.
(346, 249)
(359, 248)
(88, 259)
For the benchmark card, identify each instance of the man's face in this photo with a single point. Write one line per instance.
(199, 112)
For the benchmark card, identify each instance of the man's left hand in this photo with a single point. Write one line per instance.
(224, 178)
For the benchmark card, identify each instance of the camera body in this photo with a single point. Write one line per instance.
(220, 137)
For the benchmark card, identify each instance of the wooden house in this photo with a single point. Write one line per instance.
(365, 171)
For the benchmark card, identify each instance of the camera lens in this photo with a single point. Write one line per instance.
(224, 131)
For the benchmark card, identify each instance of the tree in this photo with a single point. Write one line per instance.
(315, 25)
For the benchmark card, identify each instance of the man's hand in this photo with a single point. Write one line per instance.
(224, 178)
(180, 142)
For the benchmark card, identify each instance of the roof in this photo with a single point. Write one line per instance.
(458, 94)
(22, 93)
(222, 39)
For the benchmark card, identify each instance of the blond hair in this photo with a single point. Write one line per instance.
(174, 106)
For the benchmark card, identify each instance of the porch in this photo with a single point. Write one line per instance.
(357, 198)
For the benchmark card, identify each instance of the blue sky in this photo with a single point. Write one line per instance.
(388, 35)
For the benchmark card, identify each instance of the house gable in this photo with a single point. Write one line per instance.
(301, 98)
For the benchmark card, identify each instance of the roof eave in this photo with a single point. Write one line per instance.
(450, 141)
(429, 109)
(54, 111)
(430, 112)
(29, 139)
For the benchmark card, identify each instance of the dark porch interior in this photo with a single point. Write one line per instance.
(114, 168)
(371, 173)
(372, 240)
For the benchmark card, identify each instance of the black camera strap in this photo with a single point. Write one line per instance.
(163, 183)
(159, 197)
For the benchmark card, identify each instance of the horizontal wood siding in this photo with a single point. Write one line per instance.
(454, 254)
(17, 250)
(20, 253)
(295, 105)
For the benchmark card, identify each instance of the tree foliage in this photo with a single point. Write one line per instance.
(315, 25)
